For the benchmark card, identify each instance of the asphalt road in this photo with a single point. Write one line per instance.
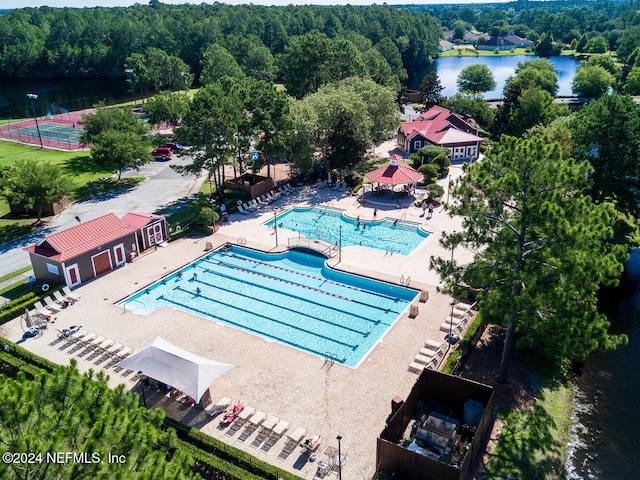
(162, 187)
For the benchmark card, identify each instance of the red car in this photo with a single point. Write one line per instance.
(162, 153)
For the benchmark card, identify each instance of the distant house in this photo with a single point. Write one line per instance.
(469, 37)
(437, 433)
(443, 128)
(508, 42)
(445, 45)
(89, 249)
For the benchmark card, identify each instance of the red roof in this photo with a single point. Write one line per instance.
(85, 237)
(434, 124)
(395, 175)
(138, 220)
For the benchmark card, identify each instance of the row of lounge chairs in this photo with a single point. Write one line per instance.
(429, 356)
(55, 302)
(339, 186)
(433, 351)
(266, 199)
(461, 314)
(270, 429)
(77, 339)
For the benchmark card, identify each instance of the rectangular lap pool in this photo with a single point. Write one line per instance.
(290, 297)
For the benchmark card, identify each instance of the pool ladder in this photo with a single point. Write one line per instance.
(242, 241)
(405, 280)
(328, 359)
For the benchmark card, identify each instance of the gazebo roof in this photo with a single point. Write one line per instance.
(395, 175)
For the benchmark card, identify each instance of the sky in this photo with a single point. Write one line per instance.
(125, 3)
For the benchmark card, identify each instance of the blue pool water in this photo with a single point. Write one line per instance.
(289, 297)
(324, 224)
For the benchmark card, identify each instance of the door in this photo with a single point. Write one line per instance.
(155, 234)
(73, 275)
(119, 254)
(101, 262)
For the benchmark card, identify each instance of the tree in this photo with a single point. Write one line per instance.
(218, 63)
(546, 46)
(209, 126)
(540, 72)
(541, 250)
(476, 78)
(582, 43)
(431, 89)
(473, 106)
(33, 184)
(597, 44)
(427, 153)
(117, 150)
(111, 118)
(535, 106)
(591, 81)
(166, 107)
(632, 84)
(606, 134)
(346, 144)
(65, 411)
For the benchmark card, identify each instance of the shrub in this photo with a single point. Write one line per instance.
(443, 163)
(430, 173)
(434, 191)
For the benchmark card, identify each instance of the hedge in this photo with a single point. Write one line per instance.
(16, 307)
(242, 459)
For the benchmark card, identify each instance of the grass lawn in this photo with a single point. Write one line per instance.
(472, 52)
(533, 441)
(78, 165)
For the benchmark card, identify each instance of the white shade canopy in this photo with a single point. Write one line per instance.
(174, 366)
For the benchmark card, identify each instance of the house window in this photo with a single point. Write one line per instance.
(53, 269)
(417, 145)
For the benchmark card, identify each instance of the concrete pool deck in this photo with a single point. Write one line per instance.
(295, 386)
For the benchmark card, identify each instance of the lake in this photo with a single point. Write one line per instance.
(58, 95)
(605, 432)
(502, 67)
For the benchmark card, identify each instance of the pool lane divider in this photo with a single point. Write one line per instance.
(300, 285)
(264, 317)
(314, 317)
(325, 280)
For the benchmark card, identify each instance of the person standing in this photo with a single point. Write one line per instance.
(424, 209)
(430, 210)
(375, 213)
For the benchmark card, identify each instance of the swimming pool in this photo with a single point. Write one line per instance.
(324, 223)
(291, 297)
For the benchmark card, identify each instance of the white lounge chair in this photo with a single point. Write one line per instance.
(42, 310)
(416, 367)
(242, 210)
(50, 304)
(68, 293)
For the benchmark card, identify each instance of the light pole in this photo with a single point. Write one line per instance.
(133, 85)
(32, 97)
(339, 437)
(275, 225)
(184, 78)
(340, 244)
(452, 305)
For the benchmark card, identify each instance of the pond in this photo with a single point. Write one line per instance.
(58, 95)
(502, 67)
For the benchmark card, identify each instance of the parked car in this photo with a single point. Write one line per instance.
(162, 153)
(175, 146)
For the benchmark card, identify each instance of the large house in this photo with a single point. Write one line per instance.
(84, 251)
(443, 128)
(508, 42)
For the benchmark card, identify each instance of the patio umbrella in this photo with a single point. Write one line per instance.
(329, 177)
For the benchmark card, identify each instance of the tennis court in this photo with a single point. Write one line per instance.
(59, 131)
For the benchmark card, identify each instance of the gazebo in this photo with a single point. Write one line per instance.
(395, 174)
